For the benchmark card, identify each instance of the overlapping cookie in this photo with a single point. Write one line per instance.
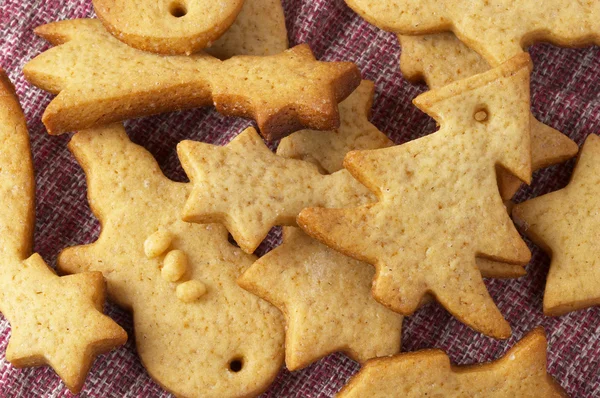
(439, 206)
(440, 59)
(45, 331)
(566, 224)
(197, 332)
(496, 29)
(521, 372)
(168, 27)
(283, 93)
(326, 301)
(259, 29)
(249, 189)
(327, 151)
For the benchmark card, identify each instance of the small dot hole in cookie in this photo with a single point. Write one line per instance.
(236, 364)
(177, 9)
(481, 114)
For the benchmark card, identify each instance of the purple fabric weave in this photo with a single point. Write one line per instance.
(565, 95)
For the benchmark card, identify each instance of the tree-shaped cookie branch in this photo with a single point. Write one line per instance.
(249, 189)
(440, 59)
(197, 332)
(439, 206)
(100, 80)
(521, 372)
(566, 224)
(496, 29)
(55, 321)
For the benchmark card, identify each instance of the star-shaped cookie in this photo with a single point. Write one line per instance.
(197, 332)
(327, 149)
(439, 206)
(55, 321)
(326, 300)
(521, 372)
(284, 93)
(496, 29)
(440, 59)
(566, 224)
(249, 189)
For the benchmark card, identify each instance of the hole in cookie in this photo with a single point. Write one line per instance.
(178, 10)
(236, 365)
(481, 114)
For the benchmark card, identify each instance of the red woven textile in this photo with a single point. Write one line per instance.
(565, 95)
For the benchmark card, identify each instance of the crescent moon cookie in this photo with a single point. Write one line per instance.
(55, 321)
(521, 372)
(168, 26)
(197, 332)
(441, 59)
(439, 206)
(566, 224)
(496, 29)
(284, 93)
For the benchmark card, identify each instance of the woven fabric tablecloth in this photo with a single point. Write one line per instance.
(565, 95)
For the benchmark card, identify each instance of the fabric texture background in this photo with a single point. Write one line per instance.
(565, 95)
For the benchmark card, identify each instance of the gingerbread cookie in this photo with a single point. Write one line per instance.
(327, 149)
(326, 300)
(197, 332)
(283, 93)
(439, 205)
(168, 27)
(259, 29)
(249, 189)
(521, 372)
(495, 29)
(440, 59)
(566, 224)
(55, 321)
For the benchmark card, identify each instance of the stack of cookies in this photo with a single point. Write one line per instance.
(372, 231)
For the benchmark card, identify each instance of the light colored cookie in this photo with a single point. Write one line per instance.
(441, 59)
(55, 321)
(327, 149)
(496, 29)
(203, 335)
(249, 189)
(283, 93)
(168, 26)
(326, 300)
(439, 205)
(566, 224)
(521, 372)
(259, 29)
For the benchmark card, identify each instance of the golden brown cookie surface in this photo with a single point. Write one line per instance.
(566, 224)
(168, 26)
(326, 300)
(283, 93)
(439, 206)
(441, 59)
(496, 29)
(249, 189)
(259, 29)
(55, 321)
(197, 332)
(521, 372)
